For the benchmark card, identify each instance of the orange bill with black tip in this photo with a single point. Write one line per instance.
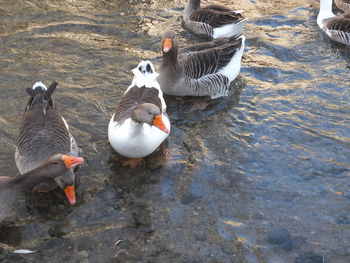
(70, 194)
(167, 44)
(158, 122)
(72, 161)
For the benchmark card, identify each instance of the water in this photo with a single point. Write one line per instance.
(259, 176)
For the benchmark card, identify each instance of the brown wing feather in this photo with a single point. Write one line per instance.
(211, 60)
(339, 24)
(215, 18)
(217, 8)
(43, 135)
(136, 96)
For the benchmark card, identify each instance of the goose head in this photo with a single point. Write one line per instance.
(58, 167)
(145, 72)
(144, 75)
(169, 44)
(150, 114)
(63, 166)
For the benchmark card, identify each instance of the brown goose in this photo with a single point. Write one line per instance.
(336, 27)
(213, 20)
(140, 123)
(204, 69)
(343, 5)
(58, 165)
(43, 133)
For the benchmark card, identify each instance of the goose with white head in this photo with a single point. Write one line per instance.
(337, 27)
(140, 123)
(43, 133)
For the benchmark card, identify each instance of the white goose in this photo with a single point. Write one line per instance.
(213, 20)
(336, 27)
(140, 123)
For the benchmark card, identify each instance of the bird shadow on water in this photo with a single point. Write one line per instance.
(342, 50)
(27, 208)
(50, 205)
(185, 110)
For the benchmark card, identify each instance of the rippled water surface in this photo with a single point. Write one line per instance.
(262, 175)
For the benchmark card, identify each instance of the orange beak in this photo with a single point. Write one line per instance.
(158, 122)
(70, 193)
(167, 44)
(71, 161)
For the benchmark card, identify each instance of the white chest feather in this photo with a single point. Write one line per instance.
(135, 140)
(232, 69)
(228, 30)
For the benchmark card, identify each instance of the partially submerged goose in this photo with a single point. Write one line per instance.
(203, 69)
(343, 5)
(336, 27)
(58, 165)
(43, 133)
(140, 123)
(213, 20)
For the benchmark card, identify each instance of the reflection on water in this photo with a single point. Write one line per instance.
(259, 176)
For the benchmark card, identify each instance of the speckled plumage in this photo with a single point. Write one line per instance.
(131, 130)
(213, 20)
(203, 69)
(337, 27)
(43, 131)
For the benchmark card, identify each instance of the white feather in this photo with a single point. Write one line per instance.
(23, 251)
(135, 140)
(228, 30)
(39, 84)
(65, 123)
(231, 70)
(147, 79)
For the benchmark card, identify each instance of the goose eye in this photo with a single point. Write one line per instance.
(55, 162)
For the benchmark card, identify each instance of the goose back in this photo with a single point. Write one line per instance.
(134, 97)
(43, 131)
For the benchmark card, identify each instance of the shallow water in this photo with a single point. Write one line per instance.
(259, 176)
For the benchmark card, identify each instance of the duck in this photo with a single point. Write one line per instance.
(57, 165)
(337, 27)
(44, 132)
(202, 69)
(213, 20)
(140, 122)
(343, 5)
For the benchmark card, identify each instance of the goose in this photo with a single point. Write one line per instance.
(140, 123)
(44, 132)
(336, 27)
(57, 165)
(214, 21)
(343, 5)
(203, 69)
